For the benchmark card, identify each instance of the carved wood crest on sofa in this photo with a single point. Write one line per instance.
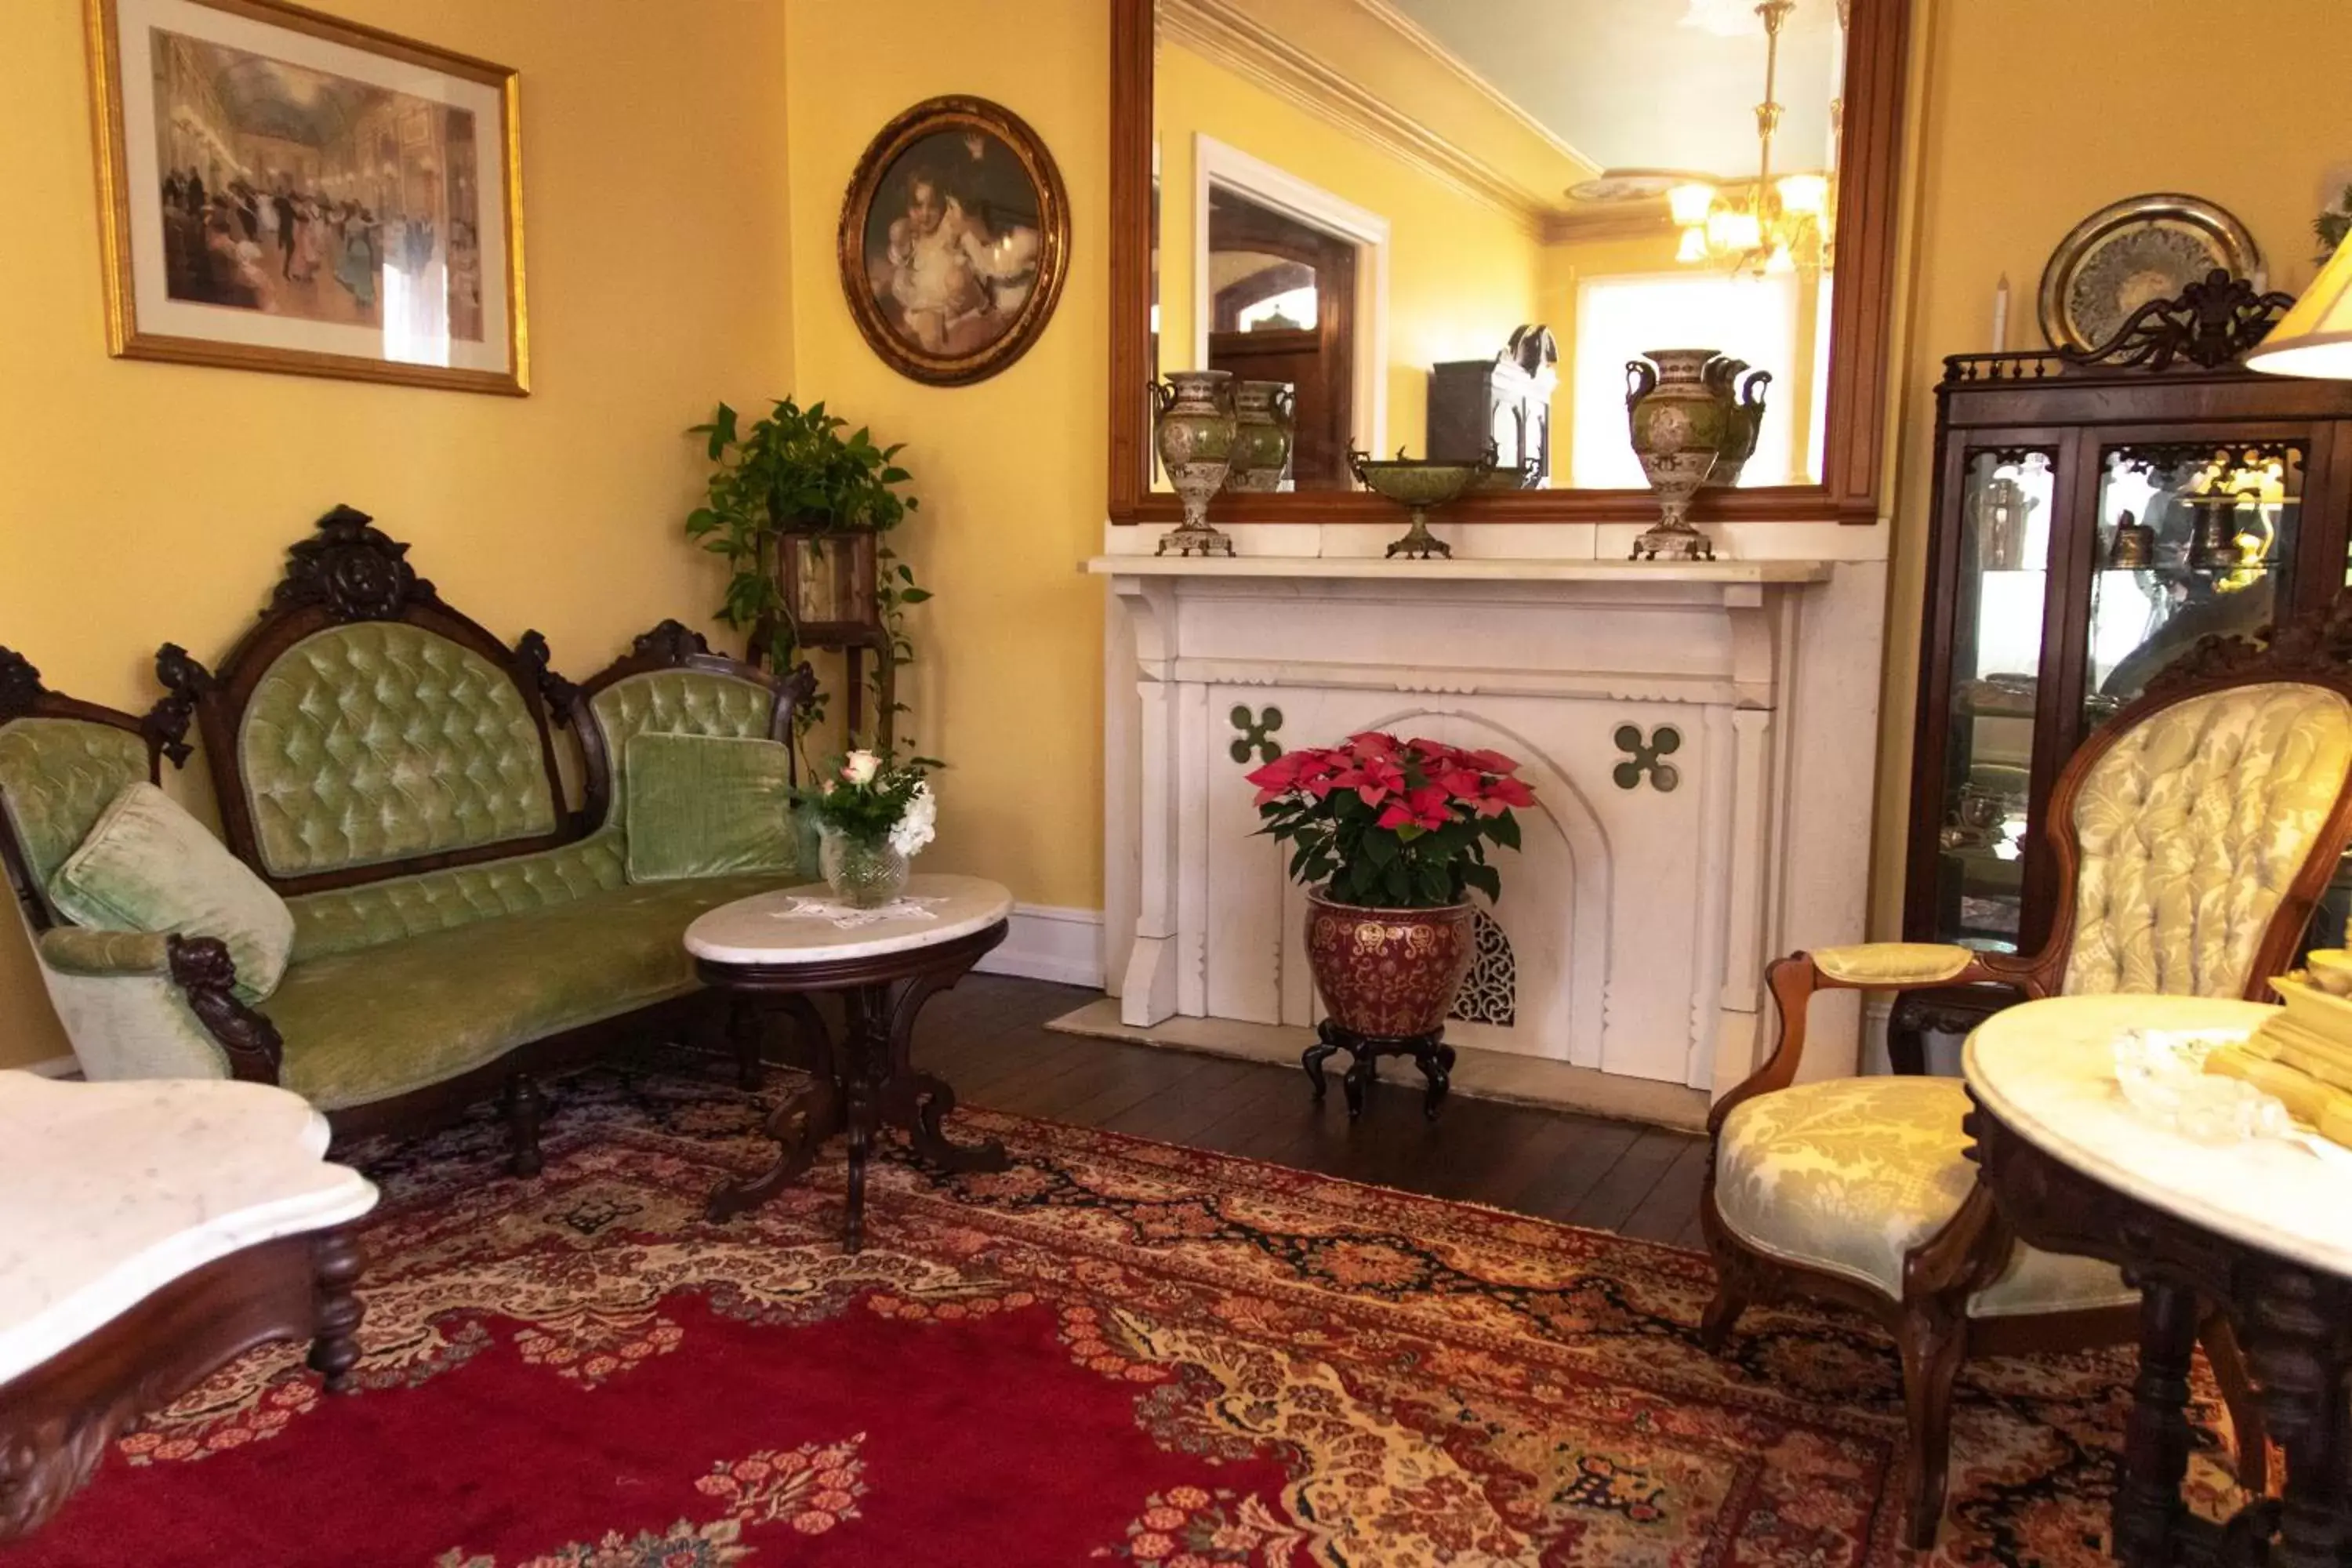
(393, 771)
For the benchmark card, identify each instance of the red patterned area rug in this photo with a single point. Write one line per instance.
(1117, 1352)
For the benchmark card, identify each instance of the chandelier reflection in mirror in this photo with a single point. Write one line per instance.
(1775, 226)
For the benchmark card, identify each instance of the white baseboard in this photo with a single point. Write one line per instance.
(56, 1067)
(1046, 943)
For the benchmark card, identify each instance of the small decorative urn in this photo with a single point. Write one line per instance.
(1679, 426)
(1262, 435)
(1195, 438)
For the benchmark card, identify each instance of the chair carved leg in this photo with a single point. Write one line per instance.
(335, 1343)
(1932, 1339)
(2246, 1424)
(526, 1109)
(1734, 1290)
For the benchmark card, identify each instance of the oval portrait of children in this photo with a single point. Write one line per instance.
(953, 240)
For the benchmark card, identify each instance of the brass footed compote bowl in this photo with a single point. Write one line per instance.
(1419, 485)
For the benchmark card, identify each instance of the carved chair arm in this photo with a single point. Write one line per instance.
(75, 950)
(1908, 967)
(201, 967)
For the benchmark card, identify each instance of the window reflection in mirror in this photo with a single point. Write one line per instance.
(1369, 198)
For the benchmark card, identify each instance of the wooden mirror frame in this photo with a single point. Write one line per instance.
(1869, 189)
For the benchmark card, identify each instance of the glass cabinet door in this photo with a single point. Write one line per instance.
(2008, 498)
(2192, 539)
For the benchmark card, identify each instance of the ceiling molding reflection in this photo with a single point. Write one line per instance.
(1589, 224)
(1420, 38)
(1225, 36)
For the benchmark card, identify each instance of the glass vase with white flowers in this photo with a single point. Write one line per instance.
(874, 812)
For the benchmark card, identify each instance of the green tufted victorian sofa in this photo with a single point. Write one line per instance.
(392, 771)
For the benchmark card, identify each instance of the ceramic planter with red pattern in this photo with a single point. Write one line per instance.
(1388, 973)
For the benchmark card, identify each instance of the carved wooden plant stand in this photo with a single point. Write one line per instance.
(1429, 1052)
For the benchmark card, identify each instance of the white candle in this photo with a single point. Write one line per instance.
(2001, 316)
(2262, 280)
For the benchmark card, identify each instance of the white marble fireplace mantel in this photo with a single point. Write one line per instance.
(1635, 922)
(1487, 569)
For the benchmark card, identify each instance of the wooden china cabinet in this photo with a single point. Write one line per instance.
(2096, 513)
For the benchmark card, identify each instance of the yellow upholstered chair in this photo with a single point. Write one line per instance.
(2193, 833)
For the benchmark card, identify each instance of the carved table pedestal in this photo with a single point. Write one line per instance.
(2260, 1229)
(769, 947)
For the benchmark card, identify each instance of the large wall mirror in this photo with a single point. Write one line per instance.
(1451, 223)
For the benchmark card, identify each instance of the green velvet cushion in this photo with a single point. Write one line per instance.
(147, 866)
(675, 702)
(701, 805)
(365, 1025)
(346, 920)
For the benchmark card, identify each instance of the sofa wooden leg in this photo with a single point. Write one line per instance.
(335, 1340)
(1933, 1343)
(526, 1108)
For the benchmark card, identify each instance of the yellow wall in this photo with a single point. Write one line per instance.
(1462, 274)
(2022, 140)
(1008, 682)
(145, 501)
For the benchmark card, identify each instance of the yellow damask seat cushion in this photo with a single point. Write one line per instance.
(1892, 962)
(1849, 1176)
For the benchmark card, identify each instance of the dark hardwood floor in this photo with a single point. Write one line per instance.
(987, 1037)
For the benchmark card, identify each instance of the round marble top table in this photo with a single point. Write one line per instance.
(781, 946)
(2048, 1070)
(2258, 1230)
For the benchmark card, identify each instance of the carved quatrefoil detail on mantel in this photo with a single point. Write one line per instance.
(1647, 757)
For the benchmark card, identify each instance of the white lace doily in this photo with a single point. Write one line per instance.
(849, 917)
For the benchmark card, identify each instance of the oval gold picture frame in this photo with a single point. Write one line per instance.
(887, 330)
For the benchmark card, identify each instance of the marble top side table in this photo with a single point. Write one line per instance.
(150, 1233)
(786, 945)
(2261, 1229)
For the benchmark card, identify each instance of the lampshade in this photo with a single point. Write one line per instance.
(1805, 193)
(2314, 339)
(1734, 228)
(1689, 203)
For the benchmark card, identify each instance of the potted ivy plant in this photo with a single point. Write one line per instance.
(1390, 837)
(793, 474)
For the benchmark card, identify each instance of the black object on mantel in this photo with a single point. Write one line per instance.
(1502, 404)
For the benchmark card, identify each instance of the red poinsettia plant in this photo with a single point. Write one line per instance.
(1382, 823)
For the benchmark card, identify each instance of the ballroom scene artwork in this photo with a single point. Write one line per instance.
(301, 194)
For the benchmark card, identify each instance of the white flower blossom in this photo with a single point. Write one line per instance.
(859, 767)
(915, 825)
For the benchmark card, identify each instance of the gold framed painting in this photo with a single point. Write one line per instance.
(954, 237)
(284, 191)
